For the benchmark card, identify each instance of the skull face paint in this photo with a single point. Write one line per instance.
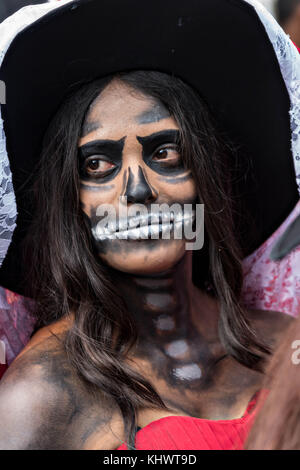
(130, 151)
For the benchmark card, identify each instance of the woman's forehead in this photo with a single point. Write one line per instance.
(121, 109)
(119, 99)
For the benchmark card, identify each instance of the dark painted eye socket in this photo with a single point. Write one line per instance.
(98, 167)
(167, 155)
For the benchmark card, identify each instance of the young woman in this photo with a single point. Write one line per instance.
(135, 331)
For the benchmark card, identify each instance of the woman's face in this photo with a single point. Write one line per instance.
(129, 154)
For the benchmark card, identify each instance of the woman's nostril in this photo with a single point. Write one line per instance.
(138, 190)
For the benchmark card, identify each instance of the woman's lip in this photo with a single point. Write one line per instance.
(145, 220)
(146, 231)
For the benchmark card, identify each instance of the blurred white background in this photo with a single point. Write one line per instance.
(269, 4)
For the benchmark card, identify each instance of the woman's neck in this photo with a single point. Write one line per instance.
(177, 323)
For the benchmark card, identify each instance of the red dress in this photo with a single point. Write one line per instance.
(187, 433)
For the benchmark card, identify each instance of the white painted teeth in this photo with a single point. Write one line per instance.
(166, 217)
(132, 222)
(102, 234)
(182, 217)
(145, 231)
(134, 233)
(154, 230)
(136, 221)
(155, 218)
(143, 227)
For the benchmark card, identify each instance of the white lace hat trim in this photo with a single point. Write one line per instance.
(289, 61)
(9, 29)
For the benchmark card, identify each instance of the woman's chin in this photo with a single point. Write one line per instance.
(147, 259)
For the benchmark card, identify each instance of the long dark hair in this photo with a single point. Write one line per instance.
(67, 276)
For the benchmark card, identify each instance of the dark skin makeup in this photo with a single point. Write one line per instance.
(91, 167)
(129, 146)
(154, 141)
(154, 114)
(145, 171)
(89, 127)
(178, 342)
(138, 189)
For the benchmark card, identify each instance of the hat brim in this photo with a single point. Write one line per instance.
(289, 241)
(219, 47)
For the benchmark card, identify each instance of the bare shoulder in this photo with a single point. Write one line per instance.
(45, 405)
(270, 324)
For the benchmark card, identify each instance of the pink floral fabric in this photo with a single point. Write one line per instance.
(270, 285)
(16, 324)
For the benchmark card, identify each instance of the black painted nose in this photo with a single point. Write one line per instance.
(138, 189)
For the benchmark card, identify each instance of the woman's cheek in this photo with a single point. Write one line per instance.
(94, 197)
(183, 191)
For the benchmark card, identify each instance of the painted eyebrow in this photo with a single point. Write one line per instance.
(89, 126)
(154, 114)
(112, 147)
(159, 138)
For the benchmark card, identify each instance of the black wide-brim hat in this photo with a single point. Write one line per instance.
(219, 47)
